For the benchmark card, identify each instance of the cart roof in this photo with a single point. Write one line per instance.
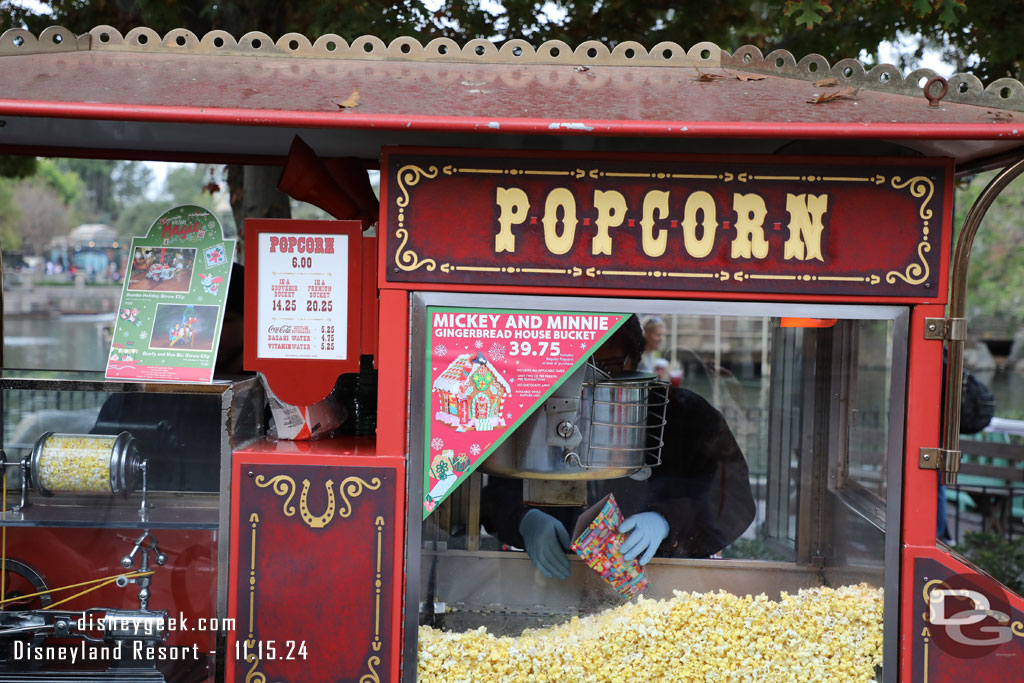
(155, 95)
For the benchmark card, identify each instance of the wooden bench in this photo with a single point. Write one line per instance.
(992, 474)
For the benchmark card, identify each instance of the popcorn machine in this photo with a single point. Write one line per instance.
(769, 447)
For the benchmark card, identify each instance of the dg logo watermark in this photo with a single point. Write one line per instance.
(969, 615)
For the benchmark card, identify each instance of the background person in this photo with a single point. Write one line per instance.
(654, 337)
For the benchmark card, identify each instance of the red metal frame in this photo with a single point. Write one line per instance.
(393, 377)
(532, 126)
(351, 452)
(391, 323)
(920, 496)
(369, 299)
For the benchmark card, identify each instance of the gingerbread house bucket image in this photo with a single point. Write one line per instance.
(471, 394)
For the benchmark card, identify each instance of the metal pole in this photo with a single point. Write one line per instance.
(958, 298)
(716, 390)
(3, 364)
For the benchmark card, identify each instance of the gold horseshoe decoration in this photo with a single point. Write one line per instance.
(324, 519)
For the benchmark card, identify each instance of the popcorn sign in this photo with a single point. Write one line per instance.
(488, 371)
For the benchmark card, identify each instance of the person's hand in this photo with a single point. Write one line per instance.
(649, 530)
(546, 543)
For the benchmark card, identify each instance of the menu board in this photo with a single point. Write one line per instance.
(175, 287)
(303, 299)
(303, 319)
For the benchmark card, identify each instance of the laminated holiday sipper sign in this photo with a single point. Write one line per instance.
(172, 304)
(489, 369)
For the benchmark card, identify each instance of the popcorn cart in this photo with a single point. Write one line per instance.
(784, 227)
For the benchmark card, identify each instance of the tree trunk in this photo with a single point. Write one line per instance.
(254, 194)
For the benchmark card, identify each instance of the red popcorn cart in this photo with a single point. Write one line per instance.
(587, 272)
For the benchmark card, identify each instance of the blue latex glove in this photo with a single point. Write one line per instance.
(547, 541)
(649, 530)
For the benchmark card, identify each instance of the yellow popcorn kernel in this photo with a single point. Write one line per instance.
(76, 463)
(831, 635)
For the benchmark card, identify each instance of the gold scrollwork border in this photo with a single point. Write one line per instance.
(376, 645)
(253, 675)
(407, 177)
(350, 488)
(923, 188)
(917, 272)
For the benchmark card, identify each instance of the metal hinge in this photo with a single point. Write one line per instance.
(947, 462)
(950, 329)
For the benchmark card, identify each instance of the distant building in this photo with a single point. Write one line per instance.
(91, 248)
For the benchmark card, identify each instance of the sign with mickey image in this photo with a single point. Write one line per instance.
(172, 304)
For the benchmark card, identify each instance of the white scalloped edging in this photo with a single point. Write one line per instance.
(1005, 93)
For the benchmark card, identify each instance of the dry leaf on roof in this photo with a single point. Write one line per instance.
(352, 101)
(747, 77)
(826, 83)
(842, 94)
(706, 78)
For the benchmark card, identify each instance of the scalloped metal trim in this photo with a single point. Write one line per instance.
(1005, 93)
(177, 41)
(16, 41)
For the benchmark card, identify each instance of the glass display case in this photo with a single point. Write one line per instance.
(116, 524)
(812, 397)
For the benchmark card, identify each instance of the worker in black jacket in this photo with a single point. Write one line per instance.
(692, 505)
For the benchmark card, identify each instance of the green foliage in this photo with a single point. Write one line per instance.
(104, 189)
(184, 184)
(807, 12)
(97, 200)
(16, 167)
(949, 9)
(1001, 558)
(922, 7)
(66, 184)
(349, 19)
(995, 276)
(10, 217)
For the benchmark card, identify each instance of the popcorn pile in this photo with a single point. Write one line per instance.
(820, 634)
(76, 463)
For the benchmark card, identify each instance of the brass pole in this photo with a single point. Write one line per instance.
(958, 299)
(2, 297)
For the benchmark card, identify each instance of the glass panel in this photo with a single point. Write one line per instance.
(81, 520)
(62, 281)
(772, 422)
(869, 414)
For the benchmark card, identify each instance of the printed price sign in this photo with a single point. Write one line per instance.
(302, 316)
(489, 370)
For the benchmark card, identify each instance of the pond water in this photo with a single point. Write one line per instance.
(69, 342)
(81, 342)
